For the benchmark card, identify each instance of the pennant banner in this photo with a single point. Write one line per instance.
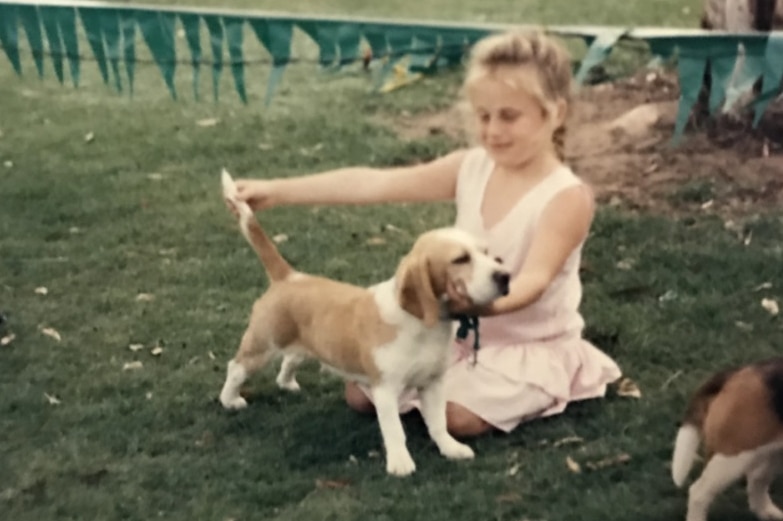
(404, 50)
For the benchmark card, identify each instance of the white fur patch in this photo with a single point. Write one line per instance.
(685, 447)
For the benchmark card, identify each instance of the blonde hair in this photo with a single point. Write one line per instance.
(548, 58)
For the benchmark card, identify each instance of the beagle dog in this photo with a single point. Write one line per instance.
(738, 413)
(393, 336)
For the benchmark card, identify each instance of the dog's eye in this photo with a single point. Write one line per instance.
(462, 259)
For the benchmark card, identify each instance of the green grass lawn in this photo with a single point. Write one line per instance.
(137, 210)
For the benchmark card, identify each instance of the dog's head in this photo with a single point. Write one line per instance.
(444, 256)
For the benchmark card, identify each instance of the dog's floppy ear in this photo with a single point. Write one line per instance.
(415, 291)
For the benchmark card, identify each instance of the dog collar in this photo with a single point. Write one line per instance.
(466, 323)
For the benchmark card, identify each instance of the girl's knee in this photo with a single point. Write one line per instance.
(357, 400)
(461, 423)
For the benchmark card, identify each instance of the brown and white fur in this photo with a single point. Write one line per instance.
(738, 414)
(392, 336)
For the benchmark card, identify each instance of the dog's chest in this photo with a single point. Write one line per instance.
(415, 357)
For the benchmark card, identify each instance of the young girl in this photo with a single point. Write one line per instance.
(513, 190)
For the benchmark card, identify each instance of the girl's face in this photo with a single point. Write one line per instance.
(512, 125)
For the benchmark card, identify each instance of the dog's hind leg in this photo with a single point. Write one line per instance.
(253, 354)
(718, 475)
(760, 478)
(286, 378)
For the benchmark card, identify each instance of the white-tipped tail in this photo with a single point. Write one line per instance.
(230, 193)
(685, 447)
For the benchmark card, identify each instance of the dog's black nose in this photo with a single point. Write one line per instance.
(502, 279)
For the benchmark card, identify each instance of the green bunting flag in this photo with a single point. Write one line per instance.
(403, 50)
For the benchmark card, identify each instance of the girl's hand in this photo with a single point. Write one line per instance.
(258, 194)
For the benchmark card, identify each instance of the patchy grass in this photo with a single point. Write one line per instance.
(137, 210)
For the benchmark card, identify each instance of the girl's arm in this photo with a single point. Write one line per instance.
(432, 181)
(564, 223)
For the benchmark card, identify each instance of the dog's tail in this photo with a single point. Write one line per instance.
(277, 268)
(689, 434)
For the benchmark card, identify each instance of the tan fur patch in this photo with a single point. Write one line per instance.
(338, 323)
(740, 417)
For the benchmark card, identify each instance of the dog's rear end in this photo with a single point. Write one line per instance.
(738, 415)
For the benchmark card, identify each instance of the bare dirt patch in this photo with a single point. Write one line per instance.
(620, 140)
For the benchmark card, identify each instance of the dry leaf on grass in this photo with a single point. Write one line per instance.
(211, 355)
(8, 164)
(89, 137)
(573, 466)
(265, 146)
(7, 339)
(156, 351)
(74, 229)
(567, 441)
(511, 497)
(628, 388)
(41, 290)
(514, 470)
(208, 122)
(136, 347)
(130, 366)
(331, 483)
(763, 285)
(743, 325)
(155, 176)
(770, 305)
(145, 297)
(53, 400)
(624, 265)
(373, 454)
(376, 241)
(608, 462)
(280, 238)
(48, 331)
(352, 460)
(149, 396)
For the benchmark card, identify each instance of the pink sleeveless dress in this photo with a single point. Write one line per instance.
(533, 361)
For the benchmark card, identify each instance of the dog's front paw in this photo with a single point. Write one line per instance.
(452, 449)
(769, 512)
(400, 464)
(289, 385)
(235, 403)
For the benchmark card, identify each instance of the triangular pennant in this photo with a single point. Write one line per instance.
(215, 28)
(376, 38)
(691, 77)
(453, 45)
(91, 19)
(9, 35)
(598, 50)
(111, 32)
(192, 26)
(128, 30)
(348, 41)
(66, 19)
(234, 37)
(28, 15)
(275, 36)
(745, 76)
(773, 75)
(423, 52)
(324, 34)
(52, 30)
(157, 28)
(400, 41)
(721, 71)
